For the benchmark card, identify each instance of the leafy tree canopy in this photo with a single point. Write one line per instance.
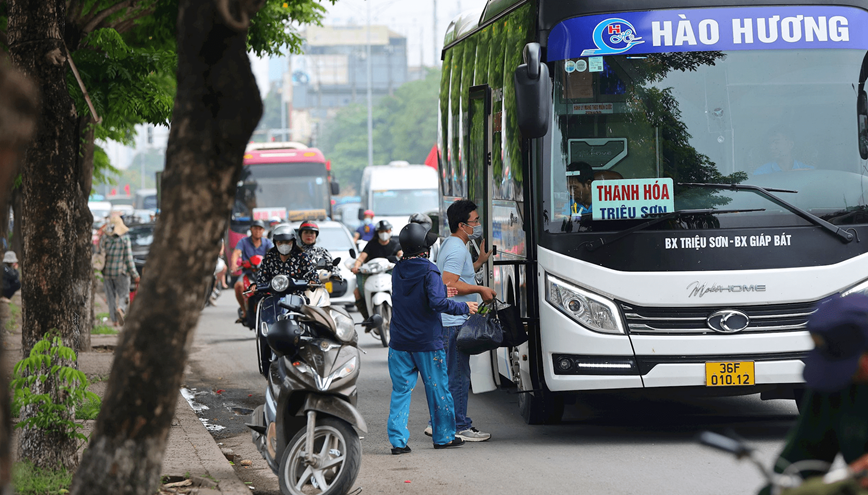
(125, 52)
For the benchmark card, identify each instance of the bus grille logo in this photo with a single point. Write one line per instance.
(697, 289)
(728, 321)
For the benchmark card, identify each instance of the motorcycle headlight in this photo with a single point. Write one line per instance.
(345, 370)
(279, 283)
(375, 269)
(345, 330)
(860, 288)
(589, 310)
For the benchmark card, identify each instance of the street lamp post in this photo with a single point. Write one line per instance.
(370, 96)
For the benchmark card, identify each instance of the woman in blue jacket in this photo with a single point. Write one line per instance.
(416, 347)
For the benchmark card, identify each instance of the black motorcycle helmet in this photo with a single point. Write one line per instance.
(283, 232)
(383, 225)
(283, 337)
(416, 239)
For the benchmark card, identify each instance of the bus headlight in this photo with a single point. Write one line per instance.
(589, 310)
(860, 288)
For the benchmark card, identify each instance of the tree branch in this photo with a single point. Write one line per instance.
(122, 26)
(101, 16)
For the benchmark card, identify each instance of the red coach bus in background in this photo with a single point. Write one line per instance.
(285, 180)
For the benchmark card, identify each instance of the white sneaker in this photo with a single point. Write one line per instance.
(473, 435)
(429, 431)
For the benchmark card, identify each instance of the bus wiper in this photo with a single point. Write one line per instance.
(661, 217)
(844, 235)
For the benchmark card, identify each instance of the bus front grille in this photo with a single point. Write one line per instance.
(695, 320)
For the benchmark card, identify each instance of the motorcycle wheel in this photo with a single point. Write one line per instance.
(340, 453)
(385, 311)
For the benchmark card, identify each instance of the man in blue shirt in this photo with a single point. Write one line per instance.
(366, 231)
(459, 271)
(244, 250)
(781, 147)
(579, 178)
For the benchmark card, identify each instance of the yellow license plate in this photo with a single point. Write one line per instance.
(729, 374)
(328, 286)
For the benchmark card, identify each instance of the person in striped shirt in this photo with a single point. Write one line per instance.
(118, 270)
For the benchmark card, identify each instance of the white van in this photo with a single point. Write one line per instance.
(397, 190)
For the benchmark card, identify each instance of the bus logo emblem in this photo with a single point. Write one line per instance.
(613, 36)
(728, 321)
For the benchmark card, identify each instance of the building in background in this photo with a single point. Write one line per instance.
(332, 74)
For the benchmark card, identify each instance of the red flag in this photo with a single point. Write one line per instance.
(431, 160)
(114, 192)
(127, 189)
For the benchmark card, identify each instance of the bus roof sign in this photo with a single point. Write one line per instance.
(718, 29)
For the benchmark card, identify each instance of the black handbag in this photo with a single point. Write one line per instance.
(514, 333)
(481, 332)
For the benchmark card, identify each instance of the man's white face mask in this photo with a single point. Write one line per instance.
(385, 236)
(284, 249)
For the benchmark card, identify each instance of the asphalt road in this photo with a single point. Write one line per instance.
(606, 444)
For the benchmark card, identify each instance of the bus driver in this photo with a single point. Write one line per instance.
(579, 178)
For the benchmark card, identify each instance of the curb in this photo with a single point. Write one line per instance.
(206, 450)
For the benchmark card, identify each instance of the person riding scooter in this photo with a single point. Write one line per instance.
(384, 247)
(285, 258)
(306, 237)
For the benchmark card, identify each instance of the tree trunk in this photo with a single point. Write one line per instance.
(217, 106)
(17, 123)
(54, 292)
(83, 248)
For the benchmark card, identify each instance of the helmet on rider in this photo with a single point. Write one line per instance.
(368, 216)
(422, 219)
(383, 225)
(283, 236)
(416, 239)
(307, 226)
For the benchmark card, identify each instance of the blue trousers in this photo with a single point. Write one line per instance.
(404, 369)
(458, 368)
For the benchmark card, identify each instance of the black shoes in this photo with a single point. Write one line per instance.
(401, 450)
(456, 442)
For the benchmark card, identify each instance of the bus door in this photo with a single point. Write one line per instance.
(482, 375)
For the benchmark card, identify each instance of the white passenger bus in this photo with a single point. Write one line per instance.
(672, 186)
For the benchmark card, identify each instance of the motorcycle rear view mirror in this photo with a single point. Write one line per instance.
(336, 261)
(352, 253)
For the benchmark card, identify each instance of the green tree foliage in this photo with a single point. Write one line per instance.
(126, 55)
(405, 128)
(55, 408)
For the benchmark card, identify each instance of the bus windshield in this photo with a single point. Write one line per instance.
(281, 186)
(783, 119)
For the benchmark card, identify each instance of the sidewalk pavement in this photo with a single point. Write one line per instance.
(192, 462)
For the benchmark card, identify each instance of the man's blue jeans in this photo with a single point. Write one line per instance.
(404, 369)
(458, 366)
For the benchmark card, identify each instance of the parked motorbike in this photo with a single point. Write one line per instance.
(378, 296)
(839, 481)
(305, 429)
(250, 277)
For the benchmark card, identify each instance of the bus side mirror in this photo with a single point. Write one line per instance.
(862, 122)
(533, 93)
(336, 187)
(361, 214)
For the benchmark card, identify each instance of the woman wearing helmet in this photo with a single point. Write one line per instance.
(425, 221)
(307, 234)
(286, 258)
(383, 247)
